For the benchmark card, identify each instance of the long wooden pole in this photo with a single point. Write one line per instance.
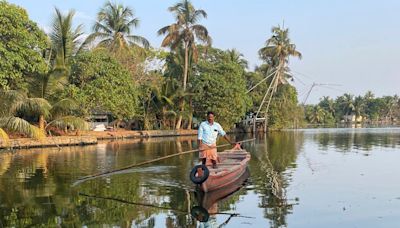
(151, 161)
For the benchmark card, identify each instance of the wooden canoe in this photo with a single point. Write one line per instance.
(232, 165)
(208, 199)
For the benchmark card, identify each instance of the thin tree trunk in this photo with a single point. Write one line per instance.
(164, 121)
(185, 72)
(179, 121)
(190, 115)
(41, 122)
(185, 76)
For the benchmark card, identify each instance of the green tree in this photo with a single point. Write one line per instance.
(65, 44)
(18, 112)
(318, 115)
(237, 57)
(184, 32)
(328, 104)
(11, 104)
(21, 47)
(114, 27)
(277, 51)
(65, 41)
(276, 55)
(285, 111)
(359, 106)
(100, 83)
(219, 85)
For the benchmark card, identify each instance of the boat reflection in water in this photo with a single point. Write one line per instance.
(207, 207)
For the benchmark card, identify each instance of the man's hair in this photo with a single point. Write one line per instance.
(210, 112)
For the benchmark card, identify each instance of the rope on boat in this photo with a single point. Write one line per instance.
(151, 161)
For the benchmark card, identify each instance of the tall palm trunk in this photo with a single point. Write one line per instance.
(190, 115)
(185, 76)
(179, 121)
(41, 122)
(164, 119)
(185, 72)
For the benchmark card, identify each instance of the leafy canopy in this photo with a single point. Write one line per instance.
(100, 83)
(21, 45)
(220, 86)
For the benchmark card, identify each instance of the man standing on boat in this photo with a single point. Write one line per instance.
(207, 138)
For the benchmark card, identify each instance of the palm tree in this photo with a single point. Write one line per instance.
(237, 57)
(183, 33)
(348, 103)
(328, 104)
(317, 115)
(276, 54)
(277, 51)
(389, 103)
(65, 41)
(369, 95)
(359, 106)
(114, 26)
(16, 108)
(11, 104)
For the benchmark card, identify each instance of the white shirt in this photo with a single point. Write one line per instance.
(208, 133)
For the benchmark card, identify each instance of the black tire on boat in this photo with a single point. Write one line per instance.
(199, 213)
(199, 180)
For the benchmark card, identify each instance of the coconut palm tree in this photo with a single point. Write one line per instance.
(64, 43)
(328, 104)
(276, 54)
(277, 51)
(17, 110)
(389, 104)
(237, 57)
(359, 106)
(114, 28)
(317, 115)
(369, 95)
(348, 103)
(184, 33)
(12, 104)
(65, 40)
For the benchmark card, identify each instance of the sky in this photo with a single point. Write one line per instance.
(348, 46)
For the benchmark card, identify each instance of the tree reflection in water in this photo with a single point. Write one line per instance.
(35, 185)
(273, 154)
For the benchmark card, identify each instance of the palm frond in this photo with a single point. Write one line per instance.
(38, 106)
(4, 137)
(19, 125)
(63, 107)
(69, 122)
(163, 30)
(139, 40)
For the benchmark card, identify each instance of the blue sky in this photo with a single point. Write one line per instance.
(351, 44)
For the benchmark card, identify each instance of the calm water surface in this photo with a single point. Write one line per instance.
(307, 178)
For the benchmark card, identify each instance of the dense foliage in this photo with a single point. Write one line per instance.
(219, 85)
(348, 108)
(100, 83)
(21, 47)
(67, 79)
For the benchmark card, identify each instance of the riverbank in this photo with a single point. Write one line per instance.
(124, 134)
(90, 137)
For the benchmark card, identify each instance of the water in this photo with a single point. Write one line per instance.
(307, 178)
